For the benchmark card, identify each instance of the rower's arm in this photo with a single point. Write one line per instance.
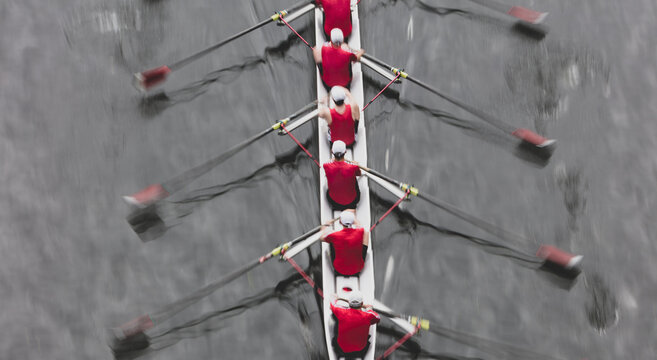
(325, 233)
(317, 54)
(359, 54)
(366, 238)
(325, 114)
(355, 111)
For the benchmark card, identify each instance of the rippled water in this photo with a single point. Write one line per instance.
(76, 136)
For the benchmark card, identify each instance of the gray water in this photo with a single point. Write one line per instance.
(76, 136)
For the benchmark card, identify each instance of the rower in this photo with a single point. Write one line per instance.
(342, 120)
(337, 14)
(351, 335)
(348, 246)
(334, 60)
(341, 177)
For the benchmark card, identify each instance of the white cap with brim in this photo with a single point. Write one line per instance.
(355, 299)
(347, 218)
(337, 94)
(339, 148)
(336, 36)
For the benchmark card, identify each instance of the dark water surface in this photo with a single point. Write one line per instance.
(76, 136)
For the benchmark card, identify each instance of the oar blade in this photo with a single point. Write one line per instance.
(148, 223)
(146, 196)
(528, 15)
(534, 138)
(535, 31)
(145, 80)
(560, 262)
(133, 327)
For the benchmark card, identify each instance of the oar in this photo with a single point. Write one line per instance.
(149, 78)
(525, 135)
(526, 21)
(148, 321)
(155, 192)
(475, 341)
(557, 261)
(518, 12)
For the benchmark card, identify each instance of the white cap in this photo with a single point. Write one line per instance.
(339, 148)
(347, 218)
(336, 36)
(355, 299)
(337, 94)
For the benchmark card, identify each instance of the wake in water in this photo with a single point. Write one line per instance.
(602, 306)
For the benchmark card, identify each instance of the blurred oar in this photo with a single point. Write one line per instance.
(529, 20)
(557, 261)
(149, 78)
(492, 347)
(526, 21)
(545, 145)
(148, 321)
(155, 192)
(518, 12)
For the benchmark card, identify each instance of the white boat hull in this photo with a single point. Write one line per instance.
(332, 284)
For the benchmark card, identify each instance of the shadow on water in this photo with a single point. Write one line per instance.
(286, 291)
(471, 341)
(602, 306)
(152, 105)
(573, 185)
(530, 154)
(410, 4)
(408, 223)
(521, 28)
(153, 221)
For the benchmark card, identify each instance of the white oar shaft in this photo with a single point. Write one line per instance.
(383, 72)
(304, 10)
(395, 190)
(302, 120)
(302, 245)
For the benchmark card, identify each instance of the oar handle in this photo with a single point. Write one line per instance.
(413, 319)
(376, 61)
(384, 177)
(313, 231)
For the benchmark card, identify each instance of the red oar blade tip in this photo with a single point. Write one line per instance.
(145, 80)
(528, 15)
(133, 327)
(533, 138)
(559, 261)
(146, 196)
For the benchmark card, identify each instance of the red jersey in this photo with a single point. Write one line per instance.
(337, 14)
(348, 246)
(336, 65)
(342, 126)
(353, 327)
(341, 180)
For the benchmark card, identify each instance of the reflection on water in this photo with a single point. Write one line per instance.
(602, 306)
